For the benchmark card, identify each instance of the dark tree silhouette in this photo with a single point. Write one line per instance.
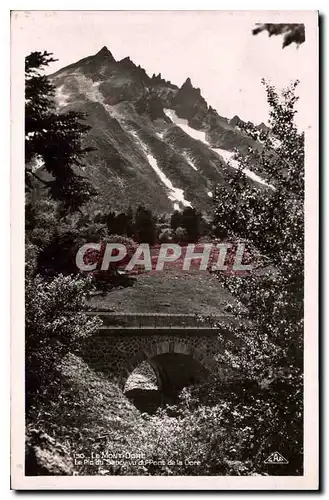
(292, 33)
(145, 230)
(53, 140)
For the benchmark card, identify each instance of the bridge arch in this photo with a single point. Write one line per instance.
(175, 363)
(120, 346)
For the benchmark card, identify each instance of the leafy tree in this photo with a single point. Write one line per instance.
(181, 234)
(111, 222)
(55, 319)
(41, 221)
(176, 220)
(93, 256)
(55, 324)
(145, 227)
(53, 140)
(58, 256)
(166, 235)
(122, 223)
(292, 33)
(191, 222)
(270, 349)
(189, 219)
(99, 217)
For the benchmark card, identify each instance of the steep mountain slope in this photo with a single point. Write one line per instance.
(155, 144)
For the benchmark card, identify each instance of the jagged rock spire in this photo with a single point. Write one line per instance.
(105, 54)
(187, 83)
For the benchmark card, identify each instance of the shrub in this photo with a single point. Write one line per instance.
(93, 256)
(55, 323)
(166, 235)
(181, 235)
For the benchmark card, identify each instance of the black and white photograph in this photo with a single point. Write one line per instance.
(167, 179)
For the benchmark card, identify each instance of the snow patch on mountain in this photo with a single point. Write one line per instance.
(228, 156)
(199, 135)
(183, 124)
(189, 161)
(90, 89)
(175, 195)
(61, 97)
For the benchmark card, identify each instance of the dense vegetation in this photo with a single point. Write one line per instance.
(272, 350)
(72, 410)
(53, 138)
(55, 322)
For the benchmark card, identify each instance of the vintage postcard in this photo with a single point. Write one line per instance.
(165, 240)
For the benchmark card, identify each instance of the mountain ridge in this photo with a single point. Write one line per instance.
(155, 143)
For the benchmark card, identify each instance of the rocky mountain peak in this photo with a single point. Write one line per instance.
(188, 88)
(235, 121)
(263, 127)
(189, 103)
(126, 62)
(187, 83)
(148, 118)
(104, 53)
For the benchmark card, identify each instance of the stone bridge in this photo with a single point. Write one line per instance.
(180, 349)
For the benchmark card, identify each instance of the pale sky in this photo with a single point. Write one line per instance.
(214, 48)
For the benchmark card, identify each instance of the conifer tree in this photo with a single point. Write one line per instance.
(53, 140)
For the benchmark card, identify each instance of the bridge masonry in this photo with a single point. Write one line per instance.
(180, 349)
